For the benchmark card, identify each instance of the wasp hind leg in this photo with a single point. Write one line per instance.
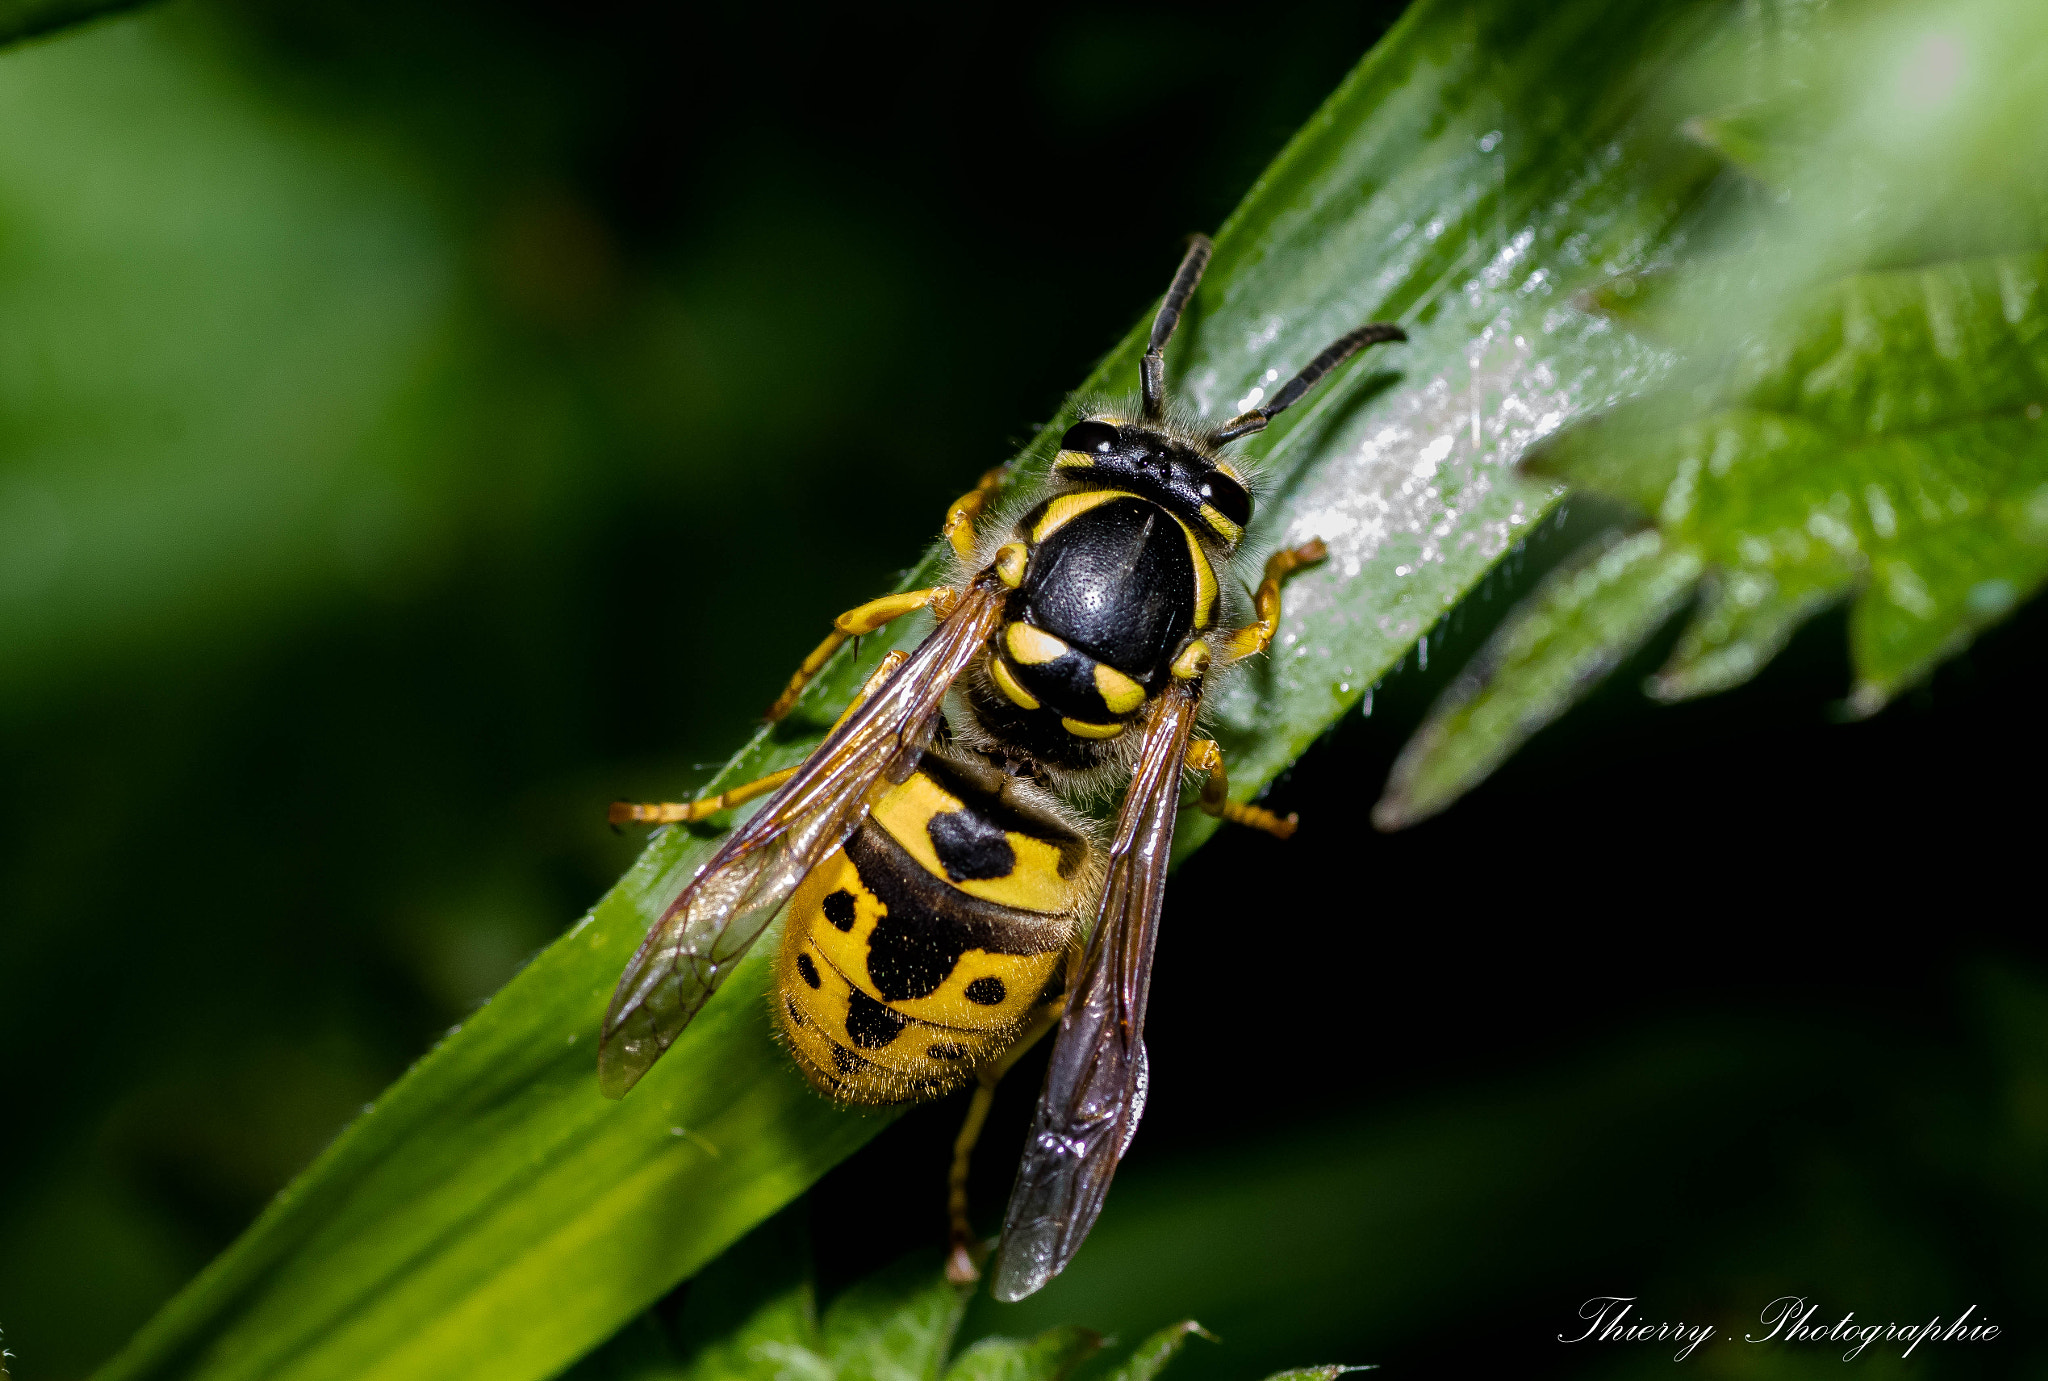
(965, 1251)
(688, 812)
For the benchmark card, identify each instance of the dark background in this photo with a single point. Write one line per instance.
(726, 308)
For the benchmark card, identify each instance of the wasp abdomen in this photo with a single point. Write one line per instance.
(921, 946)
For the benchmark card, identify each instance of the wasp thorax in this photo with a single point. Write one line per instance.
(1102, 450)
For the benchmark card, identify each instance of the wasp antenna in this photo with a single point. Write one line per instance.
(1342, 349)
(1152, 369)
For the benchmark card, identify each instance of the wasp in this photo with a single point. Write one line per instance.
(934, 857)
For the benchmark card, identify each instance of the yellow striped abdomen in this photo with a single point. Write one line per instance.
(919, 949)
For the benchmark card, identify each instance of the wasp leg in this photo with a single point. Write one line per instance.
(688, 812)
(853, 624)
(1256, 636)
(964, 1255)
(959, 531)
(1205, 756)
(960, 518)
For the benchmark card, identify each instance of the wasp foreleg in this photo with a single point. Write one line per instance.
(960, 518)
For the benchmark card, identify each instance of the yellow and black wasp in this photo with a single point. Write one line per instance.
(933, 857)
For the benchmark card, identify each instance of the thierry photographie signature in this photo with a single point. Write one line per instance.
(1788, 1319)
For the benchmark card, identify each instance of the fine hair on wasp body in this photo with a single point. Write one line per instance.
(933, 859)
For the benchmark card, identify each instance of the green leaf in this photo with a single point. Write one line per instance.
(1888, 443)
(751, 1317)
(1585, 617)
(1868, 430)
(493, 1215)
(895, 1326)
(1051, 1356)
(1150, 1357)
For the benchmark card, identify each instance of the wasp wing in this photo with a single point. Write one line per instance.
(734, 896)
(1095, 1088)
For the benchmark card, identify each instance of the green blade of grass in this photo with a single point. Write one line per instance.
(493, 1215)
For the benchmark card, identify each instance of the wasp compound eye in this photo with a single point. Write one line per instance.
(1090, 438)
(1227, 497)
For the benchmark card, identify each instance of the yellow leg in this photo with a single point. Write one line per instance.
(876, 613)
(959, 528)
(962, 1264)
(1205, 756)
(1256, 636)
(687, 812)
(963, 1260)
(959, 531)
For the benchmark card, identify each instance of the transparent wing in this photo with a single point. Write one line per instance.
(734, 896)
(1095, 1088)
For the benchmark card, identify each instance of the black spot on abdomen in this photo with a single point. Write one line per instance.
(809, 970)
(870, 1025)
(839, 909)
(988, 992)
(926, 924)
(970, 847)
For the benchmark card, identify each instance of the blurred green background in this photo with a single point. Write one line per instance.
(422, 424)
(426, 423)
